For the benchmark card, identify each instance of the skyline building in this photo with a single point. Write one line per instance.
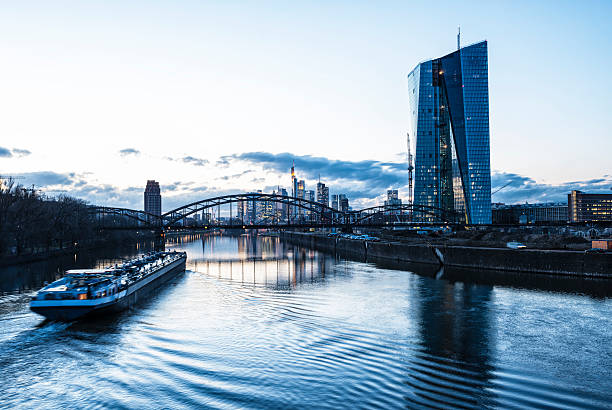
(334, 202)
(449, 104)
(293, 211)
(584, 207)
(322, 194)
(310, 195)
(529, 213)
(301, 192)
(393, 200)
(343, 203)
(293, 181)
(152, 198)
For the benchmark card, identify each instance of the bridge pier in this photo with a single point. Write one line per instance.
(160, 240)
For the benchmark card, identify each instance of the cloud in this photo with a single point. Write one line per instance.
(368, 178)
(524, 189)
(129, 151)
(47, 178)
(5, 152)
(365, 181)
(21, 152)
(198, 162)
(235, 176)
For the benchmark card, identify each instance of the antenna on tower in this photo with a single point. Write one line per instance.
(458, 37)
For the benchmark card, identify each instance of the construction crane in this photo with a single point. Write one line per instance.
(502, 187)
(410, 170)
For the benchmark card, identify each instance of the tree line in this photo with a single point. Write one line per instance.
(30, 222)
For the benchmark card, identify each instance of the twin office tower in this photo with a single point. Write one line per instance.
(449, 103)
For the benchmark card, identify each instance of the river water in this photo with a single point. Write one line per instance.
(257, 323)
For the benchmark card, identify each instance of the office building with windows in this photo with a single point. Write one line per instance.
(334, 202)
(449, 104)
(344, 203)
(394, 202)
(529, 213)
(322, 194)
(152, 198)
(583, 207)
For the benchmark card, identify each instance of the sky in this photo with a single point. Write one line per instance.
(210, 98)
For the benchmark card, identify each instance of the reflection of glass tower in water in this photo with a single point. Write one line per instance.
(449, 103)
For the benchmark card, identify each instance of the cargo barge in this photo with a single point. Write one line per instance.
(88, 292)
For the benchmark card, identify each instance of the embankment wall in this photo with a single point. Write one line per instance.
(557, 262)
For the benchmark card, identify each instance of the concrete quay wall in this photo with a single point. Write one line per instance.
(557, 262)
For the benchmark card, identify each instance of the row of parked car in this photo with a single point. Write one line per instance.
(362, 237)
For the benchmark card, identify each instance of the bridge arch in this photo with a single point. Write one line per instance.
(441, 214)
(325, 212)
(143, 217)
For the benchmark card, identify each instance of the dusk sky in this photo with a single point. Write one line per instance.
(219, 97)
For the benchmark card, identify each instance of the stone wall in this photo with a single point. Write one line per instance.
(575, 263)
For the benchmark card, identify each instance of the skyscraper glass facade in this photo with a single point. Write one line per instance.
(449, 104)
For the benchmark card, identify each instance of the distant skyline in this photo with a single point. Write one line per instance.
(211, 97)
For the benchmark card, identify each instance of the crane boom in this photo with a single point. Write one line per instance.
(410, 169)
(502, 187)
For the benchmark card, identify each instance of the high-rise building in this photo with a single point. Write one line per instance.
(334, 202)
(301, 192)
(293, 211)
(293, 181)
(281, 209)
(344, 203)
(240, 210)
(310, 195)
(322, 194)
(393, 201)
(449, 103)
(583, 207)
(152, 198)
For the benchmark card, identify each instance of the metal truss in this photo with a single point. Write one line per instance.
(325, 215)
(103, 213)
(324, 212)
(412, 210)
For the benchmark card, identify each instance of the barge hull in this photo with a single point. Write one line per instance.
(135, 294)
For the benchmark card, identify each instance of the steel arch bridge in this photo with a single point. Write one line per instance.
(408, 213)
(324, 212)
(107, 215)
(298, 213)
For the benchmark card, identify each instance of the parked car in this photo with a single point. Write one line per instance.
(370, 238)
(515, 245)
(595, 250)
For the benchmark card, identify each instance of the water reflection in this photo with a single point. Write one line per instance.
(258, 323)
(262, 260)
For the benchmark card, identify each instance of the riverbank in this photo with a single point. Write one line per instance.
(556, 262)
(8, 260)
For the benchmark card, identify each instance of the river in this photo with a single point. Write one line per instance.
(257, 323)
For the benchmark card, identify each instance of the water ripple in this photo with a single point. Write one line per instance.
(327, 334)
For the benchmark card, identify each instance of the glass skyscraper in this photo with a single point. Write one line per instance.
(449, 103)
